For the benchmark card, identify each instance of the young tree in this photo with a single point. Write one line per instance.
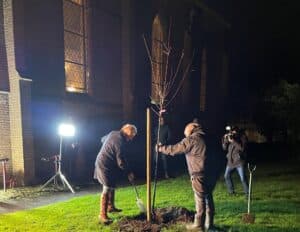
(169, 71)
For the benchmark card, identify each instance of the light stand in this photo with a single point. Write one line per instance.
(65, 130)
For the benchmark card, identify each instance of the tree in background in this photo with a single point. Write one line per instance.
(279, 114)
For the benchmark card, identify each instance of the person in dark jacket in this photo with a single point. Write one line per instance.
(164, 139)
(234, 144)
(194, 148)
(110, 159)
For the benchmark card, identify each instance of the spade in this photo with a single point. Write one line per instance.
(248, 217)
(139, 201)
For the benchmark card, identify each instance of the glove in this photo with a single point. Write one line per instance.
(157, 147)
(131, 177)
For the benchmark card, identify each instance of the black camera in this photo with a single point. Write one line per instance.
(229, 136)
(231, 133)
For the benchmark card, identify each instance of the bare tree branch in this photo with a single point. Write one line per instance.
(165, 76)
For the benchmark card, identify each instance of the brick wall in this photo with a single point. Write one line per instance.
(5, 150)
(18, 136)
(14, 96)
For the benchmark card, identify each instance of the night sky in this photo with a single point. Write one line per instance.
(263, 44)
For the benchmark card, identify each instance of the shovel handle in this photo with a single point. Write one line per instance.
(135, 189)
(251, 170)
(136, 192)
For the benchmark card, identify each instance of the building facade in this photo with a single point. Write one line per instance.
(85, 62)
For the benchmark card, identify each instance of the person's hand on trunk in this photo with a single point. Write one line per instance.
(131, 177)
(157, 147)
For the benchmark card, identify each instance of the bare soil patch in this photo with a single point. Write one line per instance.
(162, 218)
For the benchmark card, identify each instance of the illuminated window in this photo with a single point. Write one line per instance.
(157, 56)
(75, 44)
(203, 81)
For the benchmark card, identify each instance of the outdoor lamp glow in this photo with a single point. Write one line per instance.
(228, 128)
(66, 130)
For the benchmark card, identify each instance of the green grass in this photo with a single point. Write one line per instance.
(276, 206)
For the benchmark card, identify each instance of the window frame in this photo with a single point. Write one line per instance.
(82, 87)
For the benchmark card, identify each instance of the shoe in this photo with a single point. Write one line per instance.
(111, 203)
(104, 220)
(209, 222)
(195, 226)
(114, 210)
(213, 229)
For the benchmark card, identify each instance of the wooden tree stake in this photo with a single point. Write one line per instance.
(148, 159)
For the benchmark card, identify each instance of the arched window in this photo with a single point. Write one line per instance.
(157, 56)
(75, 40)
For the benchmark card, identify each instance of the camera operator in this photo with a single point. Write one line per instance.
(234, 144)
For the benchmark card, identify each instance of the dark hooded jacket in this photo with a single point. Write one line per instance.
(194, 149)
(234, 153)
(111, 159)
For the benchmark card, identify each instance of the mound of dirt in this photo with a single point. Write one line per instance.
(161, 218)
(248, 218)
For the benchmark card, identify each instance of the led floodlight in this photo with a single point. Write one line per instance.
(66, 130)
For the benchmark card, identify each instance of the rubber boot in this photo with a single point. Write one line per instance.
(103, 218)
(196, 226)
(111, 203)
(209, 223)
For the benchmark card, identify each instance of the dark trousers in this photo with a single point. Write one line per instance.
(203, 199)
(165, 163)
(162, 163)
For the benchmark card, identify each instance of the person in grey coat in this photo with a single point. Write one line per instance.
(194, 148)
(235, 145)
(110, 159)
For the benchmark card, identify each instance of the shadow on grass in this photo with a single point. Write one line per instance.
(10, 206)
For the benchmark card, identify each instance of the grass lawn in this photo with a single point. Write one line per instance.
(276, 205)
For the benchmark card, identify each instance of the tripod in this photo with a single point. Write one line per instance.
(58, 171)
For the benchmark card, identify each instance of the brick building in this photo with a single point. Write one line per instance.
(84, 61)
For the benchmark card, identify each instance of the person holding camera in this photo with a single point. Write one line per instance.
(194, 148)
(234, 144)
(110, 159)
